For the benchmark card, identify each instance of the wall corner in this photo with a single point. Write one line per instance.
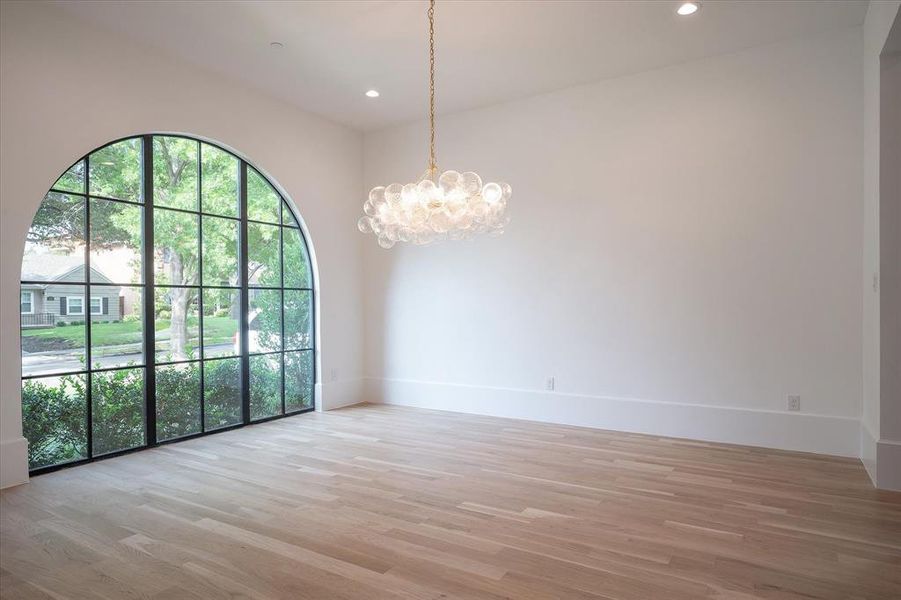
(13, 462)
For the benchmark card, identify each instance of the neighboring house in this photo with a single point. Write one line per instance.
(50, 298)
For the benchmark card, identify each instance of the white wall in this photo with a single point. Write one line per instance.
(889, 455)
(878, 23)
(68, 88)
(685, 251)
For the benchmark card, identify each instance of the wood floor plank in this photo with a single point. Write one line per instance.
(382, 502)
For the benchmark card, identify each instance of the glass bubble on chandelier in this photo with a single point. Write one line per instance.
(451, 206)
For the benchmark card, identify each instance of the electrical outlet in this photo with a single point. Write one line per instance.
(794, 403)
(549, 384)
(334, 374)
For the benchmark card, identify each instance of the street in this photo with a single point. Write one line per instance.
(45, 363)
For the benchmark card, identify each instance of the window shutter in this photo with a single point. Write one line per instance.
(105, 305)
(62, 305)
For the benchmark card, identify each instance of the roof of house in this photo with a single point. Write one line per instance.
(47, 267)
(51, 267)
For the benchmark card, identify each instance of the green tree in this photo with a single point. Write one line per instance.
(176, 236)
(115, 171)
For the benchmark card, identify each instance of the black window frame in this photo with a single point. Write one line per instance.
(148, 287)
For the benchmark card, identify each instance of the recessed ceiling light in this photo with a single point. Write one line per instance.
(276, 45)
(688, 8)
(372, 94)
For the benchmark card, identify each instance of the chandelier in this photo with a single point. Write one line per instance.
(438, 206)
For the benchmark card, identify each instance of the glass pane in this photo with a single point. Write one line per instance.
(177, 400)
(265, 321)
(220, 251)
(117, 333)
(263, 202)
(54, 420)
(265, 386)
(72, 180)
(176, 247)
(177, 321)
(299, 376)
(219, 181)
(298, 320)
(221, 309)
(117, 406)
(222, 392)
(297, 266)
(116, 233)
(54, 247)
(288, 215)
(115, 171)
(263, 255)
(53, 336)
(175, 172)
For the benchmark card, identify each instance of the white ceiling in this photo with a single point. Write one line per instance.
(487, 51)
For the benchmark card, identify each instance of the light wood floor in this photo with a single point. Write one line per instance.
(382, 502)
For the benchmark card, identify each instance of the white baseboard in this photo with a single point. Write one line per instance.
(888, 465)
(787, 431)
(882, 459)
(13, 462)
(338, 394)
(842, 436)
(868, 451)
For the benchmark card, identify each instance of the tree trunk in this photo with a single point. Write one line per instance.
(180, 297)
(178, 322)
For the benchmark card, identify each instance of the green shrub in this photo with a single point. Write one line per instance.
(117, 399)
(299, 377)
(265, 386)
(222, 392)
(177, 400)
(54, 420)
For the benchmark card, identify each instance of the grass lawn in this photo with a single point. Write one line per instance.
(217, 330)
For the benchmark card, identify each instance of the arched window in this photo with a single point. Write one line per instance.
(166, 292)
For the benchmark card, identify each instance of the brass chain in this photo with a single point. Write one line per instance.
(433, 165)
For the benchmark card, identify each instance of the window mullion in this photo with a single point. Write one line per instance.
(200, 282)
(149, 293)
(243, 320)
(281, 270)
(88, 378)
